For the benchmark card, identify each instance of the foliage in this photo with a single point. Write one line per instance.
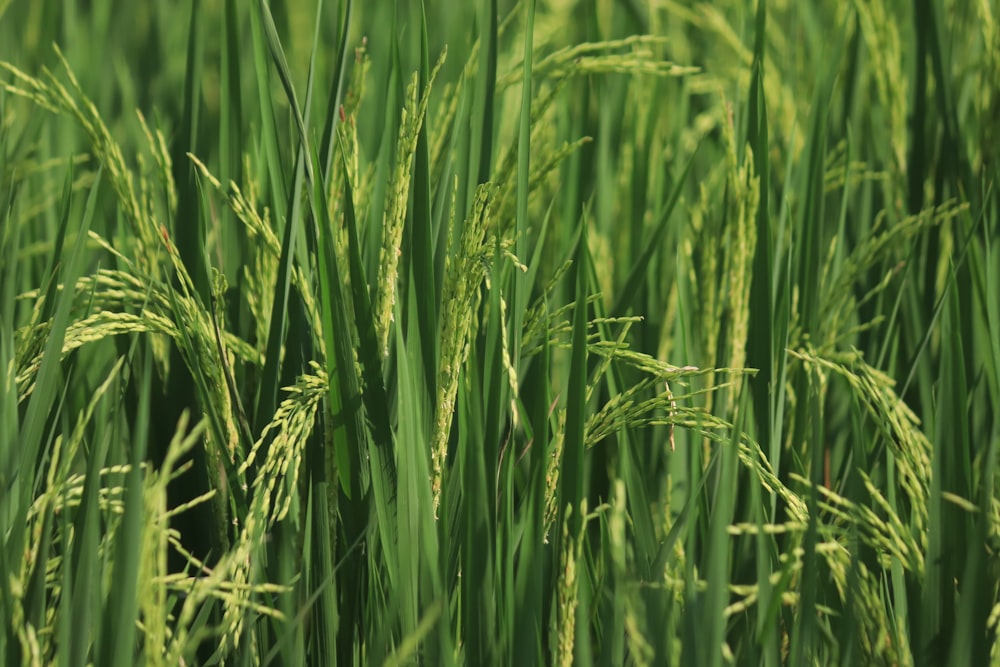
(499, 333)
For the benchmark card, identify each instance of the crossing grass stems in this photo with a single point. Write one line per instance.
(556, 332)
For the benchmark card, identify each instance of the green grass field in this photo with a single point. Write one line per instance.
(602, 332)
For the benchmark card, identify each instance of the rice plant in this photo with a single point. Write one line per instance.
(540, 332)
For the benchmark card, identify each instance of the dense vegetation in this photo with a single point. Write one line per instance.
(598, 332)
